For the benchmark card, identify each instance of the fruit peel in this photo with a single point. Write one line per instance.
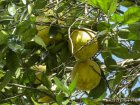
(88, 74)
(84, 44)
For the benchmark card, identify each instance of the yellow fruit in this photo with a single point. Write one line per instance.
(81, 37)
(45, 99)
(87, 73)
(57, 38)
(38, 78)
(43, 32)
(39, 68)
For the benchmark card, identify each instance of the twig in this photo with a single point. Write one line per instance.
(9, 98)
(27, 87)
(69, 35)
(120, 100)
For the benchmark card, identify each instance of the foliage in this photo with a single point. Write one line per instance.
(21, 50)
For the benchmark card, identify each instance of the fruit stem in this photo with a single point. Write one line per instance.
(69, 34)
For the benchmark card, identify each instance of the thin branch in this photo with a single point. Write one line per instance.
(120, 100)
(27, 87)
(9, 98)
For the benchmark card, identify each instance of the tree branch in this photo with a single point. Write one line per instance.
(120, 100)
(125, 63)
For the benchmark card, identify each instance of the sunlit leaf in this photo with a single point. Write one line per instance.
(3, 37)
(7, 77)
(24, 2)
(39, 41)
(30, 7)
(131, 15)
(12, 9)
(61, 85)
(102, 4)
(113, 7)
(72, 86)
(117, 18)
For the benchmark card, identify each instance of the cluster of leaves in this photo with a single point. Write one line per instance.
(118, 34)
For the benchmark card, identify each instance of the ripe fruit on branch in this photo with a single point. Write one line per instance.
(87, 73)
(39, 68)
(39, 71)
(43, 33)
(83, 44)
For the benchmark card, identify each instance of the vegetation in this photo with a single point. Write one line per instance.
(42, 40)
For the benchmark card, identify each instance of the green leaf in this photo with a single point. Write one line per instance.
(53, 31)
(29, 34)
(73, 103)
(61, 86)
(22, 27)
(12, 9)
(7, 77)
(59, 98)
(28, 76)
(72, 86)
(30, 8)
(24, 2)
(102, 4)
(136, 93)
(46, 80)
(12, 61)
(129, 35)
(89, 101)
(108, 60)
(136, 49)
(124, 33)
(131, 15)
(113, 7)
(127, 3)
(64, 53)
(135, 29)
(99, 91)
(1, 74)
(118, 78)
(39, 4)
(39, 41)
(17, 73)
(117, 18)
(136, 46)
(15, 45)
(3, 37)
(57, 47)
(62, 7)
(51, 61)
(26, 30)
(103, 26)
(119, 50)
(33, 60)
(35, 103)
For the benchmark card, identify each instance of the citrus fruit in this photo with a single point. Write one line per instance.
(87, 73)
(40, 69)
(43, 33)
(81, 45)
